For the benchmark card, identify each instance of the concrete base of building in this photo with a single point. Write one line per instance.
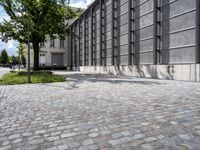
(186, 72)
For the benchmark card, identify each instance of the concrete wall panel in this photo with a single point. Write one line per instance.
(179, 23)
(144, 21)
(124, 39)
(146, 45)
(124, 8)
(177, 7)
(146, 58)
(124, 49)
(144, 8)
(124, 59)
(179, 39)
(182, 55)
(144, 33)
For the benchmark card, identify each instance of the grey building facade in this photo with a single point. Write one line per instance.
(143, 38)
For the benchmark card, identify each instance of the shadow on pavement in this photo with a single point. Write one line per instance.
(75, 79)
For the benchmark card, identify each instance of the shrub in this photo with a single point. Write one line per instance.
(36, 77)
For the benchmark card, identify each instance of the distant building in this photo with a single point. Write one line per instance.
(52, 53)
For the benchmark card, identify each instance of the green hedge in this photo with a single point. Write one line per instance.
(52, 68)
(36, 77)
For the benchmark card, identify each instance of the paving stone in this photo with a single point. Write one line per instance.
(126, 133)
(83, 148)
(138, 136)
(17, 141)
(93, 147)
(185, 136)
(36, 141)
(105, 132)
(93, 135)
(7, 147)
(117, 135)
(74, 145)
(150, 139)
(114, 142)
(61, 128)
(5, 143)
(197, 126)
(88, 142)
(14, 136)
(198, 132)
(52, 125)
(137, 142)
(46, 135)
(41, 132)
(53, 138)
(63, 147)
(55, 133)
(147, 147)
(27, 134)
(160, 137)
(174, 122)
(125, 139)
(52, 148)
(66, 135)
(94, 130)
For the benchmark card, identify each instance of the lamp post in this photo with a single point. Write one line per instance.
(29, 74)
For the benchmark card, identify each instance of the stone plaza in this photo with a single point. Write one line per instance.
(93, 111)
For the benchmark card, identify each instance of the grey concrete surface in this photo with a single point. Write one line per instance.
(3, 71)
(89, 112)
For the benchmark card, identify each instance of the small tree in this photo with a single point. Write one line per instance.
(4, 57)
(13, 60)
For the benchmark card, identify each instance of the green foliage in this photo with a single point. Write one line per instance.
(4, 59)
(13, 60)
(37, 18)
(36, 77)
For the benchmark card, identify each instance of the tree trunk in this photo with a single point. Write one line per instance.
(36, 49)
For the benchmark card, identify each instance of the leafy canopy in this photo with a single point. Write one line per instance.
(40, 17)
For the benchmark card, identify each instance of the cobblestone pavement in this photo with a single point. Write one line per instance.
(90, 112)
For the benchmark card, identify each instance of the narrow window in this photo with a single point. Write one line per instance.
(52, 42)
(62, 43)
(42, 44)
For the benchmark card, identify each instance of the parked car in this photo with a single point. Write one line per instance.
(5, 65)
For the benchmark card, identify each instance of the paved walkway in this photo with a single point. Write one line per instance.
(98, 112)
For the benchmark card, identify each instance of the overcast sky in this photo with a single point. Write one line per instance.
(11, 46)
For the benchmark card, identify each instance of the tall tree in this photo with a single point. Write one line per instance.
(4, 57)
(35, 20)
